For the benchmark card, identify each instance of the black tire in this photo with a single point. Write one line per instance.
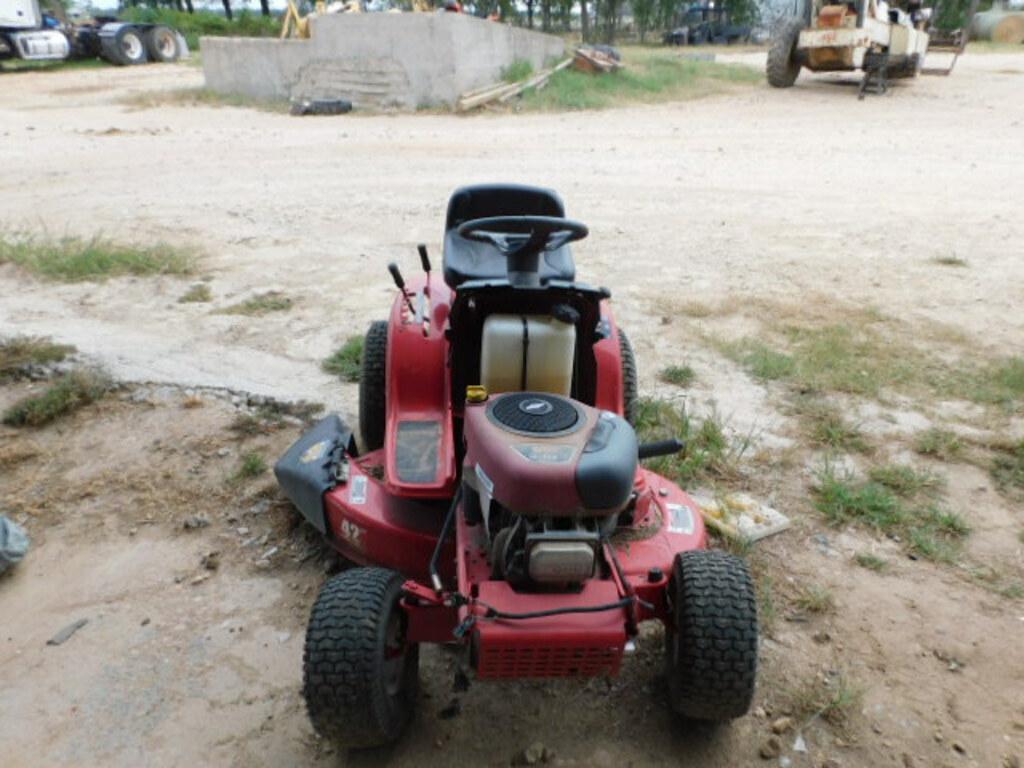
(373, 386)
(130, 46)
(630, 389)
(711, 643)
(783, 65)
(162, 44)
(358, 694)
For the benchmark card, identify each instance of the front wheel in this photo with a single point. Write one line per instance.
(360, 677)
(783, 65)
(373, 385)
(711, 640)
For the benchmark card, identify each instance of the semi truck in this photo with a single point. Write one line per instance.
(30, 33)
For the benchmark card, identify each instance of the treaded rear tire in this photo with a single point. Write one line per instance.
(162, 44)
(373, 386)
(783, 68)
(630, 390)
(345, 678)
(711, 643)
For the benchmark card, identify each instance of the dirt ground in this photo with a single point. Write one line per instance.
(760, 201)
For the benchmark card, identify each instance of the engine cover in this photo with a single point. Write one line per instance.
(539, 454)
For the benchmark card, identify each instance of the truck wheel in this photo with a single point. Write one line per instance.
(373, 386)
(162, 45)
(711, 640)
(630, 393)
(125, 47)
(360, 679)
(783, 66)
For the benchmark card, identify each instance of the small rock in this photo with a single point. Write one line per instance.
(770, 748)
(959, 747)
(821, 638)
(908, 760)
(242, 531)
(937, 736)
(200, 578)
(194, 522)
(284, 637)
(532, 755)
(223, 452)
(145, 621)
(831, 762)
(785, 762)
(782, 725)
(211, 560)
(760, 712)
(799, 745)
(65, 634)
(1011, 761)
(438, 743)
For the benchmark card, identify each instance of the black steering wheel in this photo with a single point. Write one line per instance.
(523, 236)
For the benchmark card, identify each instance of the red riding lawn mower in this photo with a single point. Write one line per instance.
(498, 502)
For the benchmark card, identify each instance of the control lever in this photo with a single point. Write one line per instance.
(661, 448)
(424, 258)
(396, 275)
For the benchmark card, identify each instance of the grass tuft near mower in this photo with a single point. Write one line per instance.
(498, 501)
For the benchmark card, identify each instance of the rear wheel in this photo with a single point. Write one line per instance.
(711, 641)
(130, 46)
(783, 66)
(360, 678)
(630, 392)
(162, 44)
(373, 386)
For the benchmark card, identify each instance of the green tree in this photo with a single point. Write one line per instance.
(644, 15)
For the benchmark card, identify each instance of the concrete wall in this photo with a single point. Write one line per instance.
(377, 60)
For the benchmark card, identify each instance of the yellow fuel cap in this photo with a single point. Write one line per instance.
(476, 393)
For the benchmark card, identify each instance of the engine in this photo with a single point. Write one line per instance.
(547, 477)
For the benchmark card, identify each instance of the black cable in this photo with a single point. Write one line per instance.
(446, 529)
(494, 613)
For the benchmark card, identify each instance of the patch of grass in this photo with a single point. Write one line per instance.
(825, 426)
(949, 261)
(200, 292)
(1001, 382)
(20, 352)
(253, 465)
(74, 259)
(760, 360)
(648, 77)
(926, 529)
(192, 25)
(1008, 467)
(905, 480)
(710, 455)
(201, 97)
(871, 562)
(767, 607)
(66, 395)
(816, 599)
(939, 444)
(835, 699)
(13, 455)
(517, 71)
(678, 375)
(260, 304)
(346, 362)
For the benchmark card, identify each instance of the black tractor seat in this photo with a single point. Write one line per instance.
(467, 260)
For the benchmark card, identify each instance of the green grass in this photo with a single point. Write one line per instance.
(648, 77)
(825, 426)
(871, 562)
(346, 362)
(74, 259)
(253, 465)
(710, 455)
(761, 361)
(260, 304)
(66, 395)
(193, 25)
(835, 699)
(517, 71)
(19, 65)
(939, 444)
(197, 293)
(678, 375)
(904, 480)
(816, 599)
(20, 352)
(911, 514)
(1008, 467)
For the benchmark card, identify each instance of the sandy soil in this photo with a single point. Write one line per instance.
(758, 201)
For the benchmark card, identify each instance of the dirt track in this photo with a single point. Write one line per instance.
(761, 198)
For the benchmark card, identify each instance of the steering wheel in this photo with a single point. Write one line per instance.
(519, 237)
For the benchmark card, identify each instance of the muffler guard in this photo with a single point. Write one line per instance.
(310, 467)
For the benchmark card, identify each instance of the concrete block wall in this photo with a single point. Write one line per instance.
(377, 60)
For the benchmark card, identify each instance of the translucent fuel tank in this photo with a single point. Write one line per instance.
(527, 352)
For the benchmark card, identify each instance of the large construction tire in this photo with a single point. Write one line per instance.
(373, 386)
(783, 65)
(711, 640)
(360, 679)
(630, 390)
(162, 44)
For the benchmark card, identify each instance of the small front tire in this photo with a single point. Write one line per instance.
(373, 386)
(360, 677)
(711, 640)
